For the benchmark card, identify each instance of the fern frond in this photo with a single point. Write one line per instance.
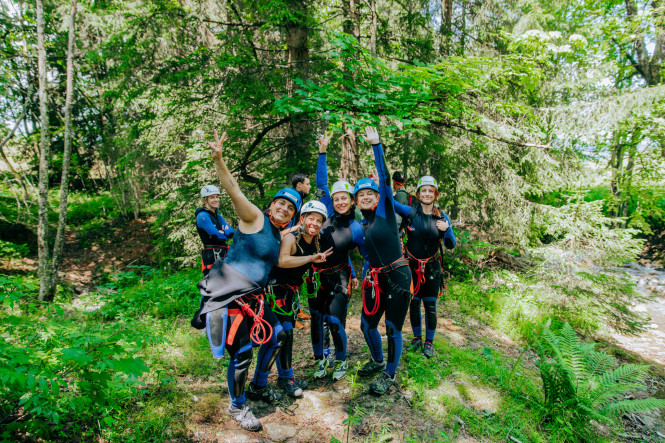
(625, 374)
(626, 406)
(599, 363)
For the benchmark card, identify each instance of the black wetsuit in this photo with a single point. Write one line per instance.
(389, 270)
(284, 283)
(422, 251)
(343, 233)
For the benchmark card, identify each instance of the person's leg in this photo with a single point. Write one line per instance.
(396, 313)
(430, 296)
(368, 325)
(269, 350)
(337, 320)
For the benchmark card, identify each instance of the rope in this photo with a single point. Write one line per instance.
(259, 332)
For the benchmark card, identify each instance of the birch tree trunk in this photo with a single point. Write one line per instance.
(66, 158)
(45, 275)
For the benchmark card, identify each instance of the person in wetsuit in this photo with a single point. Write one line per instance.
(387, 282)
(212, 228)
(343, 233)
(299, 250)
(232, 309)
(426, 228)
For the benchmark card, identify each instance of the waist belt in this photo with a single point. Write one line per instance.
(333, 270)
(371, 282)
(420, 270)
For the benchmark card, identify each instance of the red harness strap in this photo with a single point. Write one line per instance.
(373, 282)
(330, 271)
(261, 330)
(420, 270)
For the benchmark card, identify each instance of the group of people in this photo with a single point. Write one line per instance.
(250, 292)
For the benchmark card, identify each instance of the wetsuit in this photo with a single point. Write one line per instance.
(284, 283)
(239, 280)
(388, 290)
(422, 251)
(343, 233)
(214, 232)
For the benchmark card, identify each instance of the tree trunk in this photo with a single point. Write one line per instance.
(446, 24)
(648, 67)
(350, 164)
(66, 158)
(297, 158)
(372, 39)
(45, 275)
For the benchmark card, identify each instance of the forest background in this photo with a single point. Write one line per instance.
(544, 123)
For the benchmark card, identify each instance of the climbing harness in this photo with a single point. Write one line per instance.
(371, 283)
(217, 253)
(420, 270)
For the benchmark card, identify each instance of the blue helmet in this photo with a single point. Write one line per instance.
(291, 195)
(366, 183)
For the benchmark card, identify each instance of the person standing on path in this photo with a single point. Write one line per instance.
(232, 308)
(426, 228)
(387, 283)
(212, 228)
(342, 233)
(299, 250)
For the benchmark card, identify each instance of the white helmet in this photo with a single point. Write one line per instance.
(427, 180)
(315, 206)
(209, 190)
(341, 186)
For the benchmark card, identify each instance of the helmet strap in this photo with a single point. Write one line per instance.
(280, 226)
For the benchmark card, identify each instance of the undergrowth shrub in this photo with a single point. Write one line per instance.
(146, 291)
(62, 373)
(581, 384)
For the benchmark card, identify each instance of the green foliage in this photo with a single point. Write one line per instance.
(581, 384)
(144, 291)
(13, 250)
(85, 208)
(60, 373)
(581, 228)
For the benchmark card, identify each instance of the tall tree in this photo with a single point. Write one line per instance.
(49, 263)
(45, 275)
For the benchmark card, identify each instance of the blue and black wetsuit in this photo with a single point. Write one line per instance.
(284, 283)
(343, 233)
(239, 280)
(389, 271)
(422, 251)
(214, 232)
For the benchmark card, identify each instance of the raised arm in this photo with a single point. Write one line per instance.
(251, 217)
(322, 172)
(385, 191)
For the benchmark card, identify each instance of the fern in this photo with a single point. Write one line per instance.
(628, 406)
(581, 384)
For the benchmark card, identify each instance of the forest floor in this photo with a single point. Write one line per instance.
(478, 387)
